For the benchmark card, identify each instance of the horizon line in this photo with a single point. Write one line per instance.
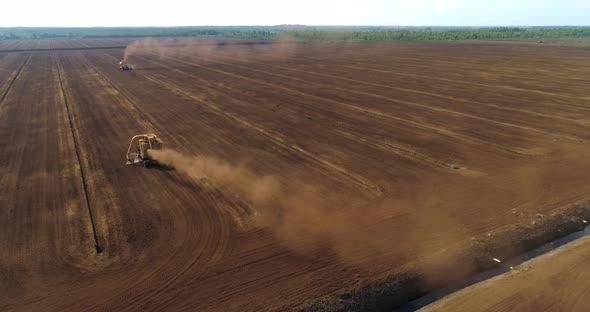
(299, 25)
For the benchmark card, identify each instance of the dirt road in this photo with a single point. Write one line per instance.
(360, 139)
(553, 282)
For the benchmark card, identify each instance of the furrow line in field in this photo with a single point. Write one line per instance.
(213, 244)
(458, 64)
(400, 150)
(446, 69)
(564, 136)
(151, 124)
(62, 49)
(435, 129)
(433, 108)
(13, 79)
(396, 147)
(78, 160)
(146, 120)
(357, 179)
(360, 180)
(501, 123)
(442, 79)
(479, 84)
(487, 70)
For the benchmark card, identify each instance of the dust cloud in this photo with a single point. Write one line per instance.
(302, 218)
(238, 178)
(206, 48)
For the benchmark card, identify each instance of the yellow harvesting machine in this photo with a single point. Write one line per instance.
(139, 149)
(124, 66)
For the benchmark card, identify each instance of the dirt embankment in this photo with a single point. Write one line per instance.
(466, 259)
(556, 281)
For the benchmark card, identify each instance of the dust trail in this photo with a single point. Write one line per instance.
(311, 218)
(238, 178)
(301, 218)
(205, 48)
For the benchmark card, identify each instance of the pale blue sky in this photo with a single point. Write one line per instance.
(309, 12)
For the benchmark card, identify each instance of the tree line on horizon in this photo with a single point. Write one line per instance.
(304, 33)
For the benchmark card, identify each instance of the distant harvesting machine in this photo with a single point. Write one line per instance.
(139, 149)
(124, 66)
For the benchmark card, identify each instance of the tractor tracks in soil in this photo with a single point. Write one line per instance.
(479, 84)
(415, 67)
(420, 125)
(213, 244)
(409, 103)
(415, 104)
(457, 99)
(368, 66)
(146, 120)
(62, 49)
(208, 233)
(397, 148)
(277, 139)
(433, 61)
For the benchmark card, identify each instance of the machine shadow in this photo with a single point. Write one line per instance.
(161, 167)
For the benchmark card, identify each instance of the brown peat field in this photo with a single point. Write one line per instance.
(315, 176)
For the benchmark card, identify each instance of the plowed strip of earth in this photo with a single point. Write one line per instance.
(360, 139)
